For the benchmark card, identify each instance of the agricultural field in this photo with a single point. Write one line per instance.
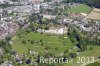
(95, 14)
(41, 43)
(81, 9)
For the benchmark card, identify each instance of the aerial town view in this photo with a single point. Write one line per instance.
(49, 32)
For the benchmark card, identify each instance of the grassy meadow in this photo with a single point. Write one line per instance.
(41, 43)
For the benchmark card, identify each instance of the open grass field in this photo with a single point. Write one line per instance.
(94, 64)
(54, 44)
(81, 9)
(95, 52)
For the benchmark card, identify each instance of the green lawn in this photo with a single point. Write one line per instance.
(94, 64)
(81, 9)
(49, 41)
(95, 52)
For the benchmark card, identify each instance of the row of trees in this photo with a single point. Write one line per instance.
(6, 49)
(6, 46)
(80, 40)
(38, 22)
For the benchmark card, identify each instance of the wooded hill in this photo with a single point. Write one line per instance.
(94, 3)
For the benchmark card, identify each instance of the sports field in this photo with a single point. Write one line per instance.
(81, 9)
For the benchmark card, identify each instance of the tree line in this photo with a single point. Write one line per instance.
(81, 41)
(93, 3)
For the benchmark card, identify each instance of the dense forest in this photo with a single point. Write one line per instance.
(93, 3)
